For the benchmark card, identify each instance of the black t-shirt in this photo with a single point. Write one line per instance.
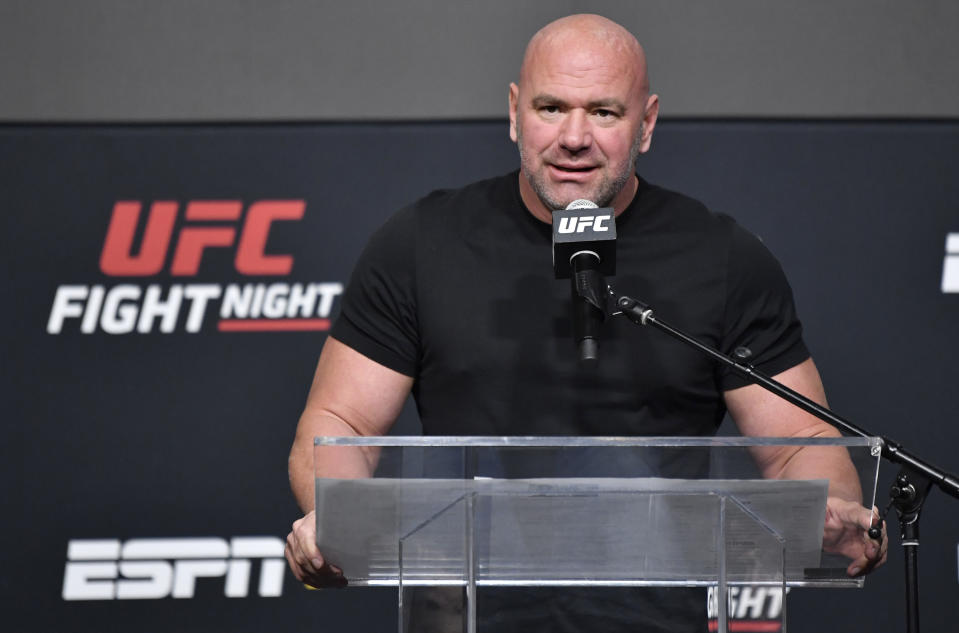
(457, 290)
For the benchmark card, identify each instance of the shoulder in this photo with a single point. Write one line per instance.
(475, 196)
(700, 234)
(670, 210)
(444, 214)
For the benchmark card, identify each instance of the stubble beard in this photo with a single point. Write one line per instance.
(605, 191)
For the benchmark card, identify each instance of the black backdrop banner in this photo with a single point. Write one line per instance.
(169, 289)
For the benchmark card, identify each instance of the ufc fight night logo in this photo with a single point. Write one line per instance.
(206, 224)
(950, 265)
(755, 608)
(150, 569)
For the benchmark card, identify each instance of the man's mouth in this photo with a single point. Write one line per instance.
(574, 169)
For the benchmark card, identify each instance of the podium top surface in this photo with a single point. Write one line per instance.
(579, 510)
(584, 441)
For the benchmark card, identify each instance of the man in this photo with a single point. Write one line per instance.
(453, 299)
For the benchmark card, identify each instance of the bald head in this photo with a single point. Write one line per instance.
(581, 114)
(592, 36)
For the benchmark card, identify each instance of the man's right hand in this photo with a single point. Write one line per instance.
(305, 560)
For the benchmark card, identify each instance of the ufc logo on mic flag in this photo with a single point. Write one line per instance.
(590, 228)
(584, 223)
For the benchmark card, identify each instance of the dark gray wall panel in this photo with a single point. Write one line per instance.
(114, 60)
(180, 435)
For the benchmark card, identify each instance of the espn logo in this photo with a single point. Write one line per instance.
(583, 223)
(150, 569)
(950, 265)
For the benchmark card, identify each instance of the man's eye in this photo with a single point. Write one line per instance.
(605, 114)
(550, 109)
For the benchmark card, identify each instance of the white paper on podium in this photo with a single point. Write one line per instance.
(630, 531)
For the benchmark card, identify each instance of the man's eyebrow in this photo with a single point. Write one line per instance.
(614, 104)
(546, 99)
(541, 100)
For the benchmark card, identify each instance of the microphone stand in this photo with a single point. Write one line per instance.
(913, 482)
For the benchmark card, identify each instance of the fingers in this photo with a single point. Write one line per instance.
(876, 549)
(880, 549)
(874, 552)
(291, 560)
(847, 533)
(852, 513)
(305, 560)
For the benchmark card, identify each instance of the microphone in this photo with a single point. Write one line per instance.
(584, 249)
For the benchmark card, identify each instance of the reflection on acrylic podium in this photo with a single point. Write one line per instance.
(476, 512)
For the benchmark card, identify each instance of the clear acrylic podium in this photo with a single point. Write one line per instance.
(475, 512)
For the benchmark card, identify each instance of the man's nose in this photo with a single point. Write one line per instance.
(575, 134)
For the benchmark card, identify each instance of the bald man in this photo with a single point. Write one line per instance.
(454, 299)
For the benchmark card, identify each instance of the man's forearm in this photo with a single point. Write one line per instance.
(821, 462)
(759, 413)
(306, 462)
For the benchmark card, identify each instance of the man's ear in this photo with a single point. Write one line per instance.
(513, 104)
(649, 123)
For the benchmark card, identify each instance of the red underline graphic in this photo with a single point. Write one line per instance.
(749, 626)
(273, 325)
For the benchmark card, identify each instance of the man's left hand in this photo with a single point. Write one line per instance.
(846, 533)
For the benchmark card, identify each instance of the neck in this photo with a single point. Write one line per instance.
(544, 214)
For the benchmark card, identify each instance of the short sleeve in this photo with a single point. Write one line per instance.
(378, 309)
(760, 313)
